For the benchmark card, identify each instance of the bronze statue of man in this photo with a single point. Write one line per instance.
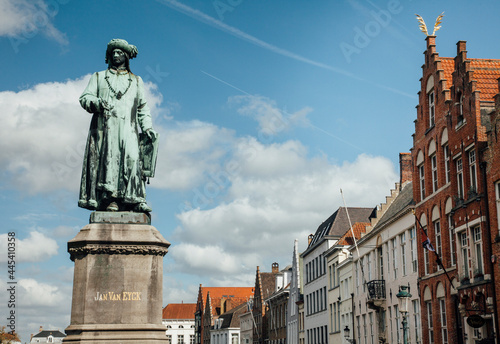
(112, 174)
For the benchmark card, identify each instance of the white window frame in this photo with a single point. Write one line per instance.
(478, 249)
(432, 108)
(434, 173)
(453, 244)
(442, 315)
(421, 175)
(473, 170)
(447, 163)
(413, 249)
(394, 247)
(438, 240)
(464, 253)
(430, 325)
(497, 199)
(460, 179)
(402, 241)
(416, 319)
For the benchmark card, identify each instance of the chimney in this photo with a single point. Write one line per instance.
(405, 169)
(41, 329)
(311, 236)
(275, 268)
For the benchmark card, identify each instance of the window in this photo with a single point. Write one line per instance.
(394, 257)
(191, 339)
(465, 254)
(460, 179)
(357, 275)
(331, 316)
(447, 163)
(426, 258)
(180, 339)
(364, 329)
(390, 323)
(444, 330)
(334, 317)
(453, 252)
(380, 263)
(434, 173)
(402, 240)
(473, 171)
(460, 117)
(416, 319)
(234, 338)
(430, 325)
(397, 324)
(497, 197)
(369, 270)
(359, 326)
(370, 315)
(169, 339)
(478, 251)
(432, 116)
(422, 181)
(437, 233)
(413, 249)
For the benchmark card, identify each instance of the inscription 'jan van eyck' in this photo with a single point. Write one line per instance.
(124, 296)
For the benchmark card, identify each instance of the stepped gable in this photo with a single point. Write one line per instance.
(401, 202)
(179, 311)
(224, 298)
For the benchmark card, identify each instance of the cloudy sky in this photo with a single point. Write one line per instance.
(265, 109)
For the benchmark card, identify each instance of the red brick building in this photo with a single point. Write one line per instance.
(449, 184)
(214, 301)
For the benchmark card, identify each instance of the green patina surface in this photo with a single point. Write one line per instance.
(112, 174)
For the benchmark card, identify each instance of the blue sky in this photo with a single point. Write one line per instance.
(265, 109)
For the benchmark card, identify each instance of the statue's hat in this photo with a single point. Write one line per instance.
(129, 49)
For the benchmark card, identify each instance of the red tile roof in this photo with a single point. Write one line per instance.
(448, 65)
(236, 295)
(179, 311)
(358, 228)
(486, 73)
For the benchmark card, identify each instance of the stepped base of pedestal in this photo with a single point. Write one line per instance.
(113, 333)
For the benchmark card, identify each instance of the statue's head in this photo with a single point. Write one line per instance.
(130, 51)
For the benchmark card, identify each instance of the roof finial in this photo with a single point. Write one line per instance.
(423, 27)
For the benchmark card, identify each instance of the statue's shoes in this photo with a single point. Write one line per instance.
(112, 207)
(142, 207)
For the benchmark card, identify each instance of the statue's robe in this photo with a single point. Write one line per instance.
(112, 166)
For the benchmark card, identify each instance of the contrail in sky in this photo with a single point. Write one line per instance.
(204, 18)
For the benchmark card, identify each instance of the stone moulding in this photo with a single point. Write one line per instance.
(82, 251)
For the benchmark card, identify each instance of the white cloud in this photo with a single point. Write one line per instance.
(43, 135)
(188, 151)
(271, 120)
(35, 248)
(275, 194)
(22, 20)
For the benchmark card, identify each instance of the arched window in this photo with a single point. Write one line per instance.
(431, 101)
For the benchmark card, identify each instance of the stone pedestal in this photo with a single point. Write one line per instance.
(118, 277)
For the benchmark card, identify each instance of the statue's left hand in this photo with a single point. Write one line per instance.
(152, 134)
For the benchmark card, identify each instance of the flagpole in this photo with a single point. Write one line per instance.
(354, 238)
(438, 259)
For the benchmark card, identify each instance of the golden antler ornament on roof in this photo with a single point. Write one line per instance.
(423, 27)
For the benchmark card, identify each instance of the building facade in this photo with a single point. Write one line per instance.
(292, 319)
(178, 318)
(315, 269)
(214, 301)
(456, 97)
(265, 285)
